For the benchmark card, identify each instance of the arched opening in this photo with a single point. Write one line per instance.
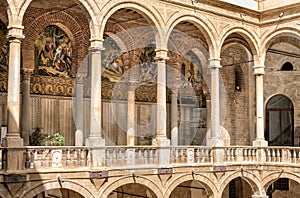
(237, 91)
(280, 121)
(59, 193)
(56, 43)
(192, 189)
(129, 65)
(188, 57)
(283, 187)
(132, 190)
(287, 67)
(237, 188)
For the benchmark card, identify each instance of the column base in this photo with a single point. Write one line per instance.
(14, 157)
(78, 138)
(12, 142)
(163, 151)
(214, 142)
(98, 155)
(260, 143)
(95, 141)
(161, 142)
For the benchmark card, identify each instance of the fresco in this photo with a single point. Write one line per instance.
(53, 50)
(4, 48)
(113, 63)
(148, 66)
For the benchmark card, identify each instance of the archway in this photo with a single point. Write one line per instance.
(236, 188)
(280, 121)
(237, 91)
(129, 67)
(283, 187)
(189, 80)
(132, 190)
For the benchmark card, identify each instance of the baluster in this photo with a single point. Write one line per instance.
(75, 158)
(289, 159)
(207, 155)
(114, 157)
(1, 159)
(294, 156)
(88, 158)
(37, 162)
(151, 157)
(47, 159)
(268, 159)
(273, 155)
(68, 161)
(203, 155)
(176, 156)
(278, 156)
(28, 158)
(140, 159)
(197, 156)
(155, 156)
(82, 156)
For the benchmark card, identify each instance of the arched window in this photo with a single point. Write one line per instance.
(280, 121)
(287, 67)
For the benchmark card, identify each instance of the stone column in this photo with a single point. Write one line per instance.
(208, 119)
(174, 119)
(13, 138)
(26, 116)
(161, 134)
(130, 115)
(260, 137)
(215, 103)
(95, 137)
(161, 139)
(79, 111)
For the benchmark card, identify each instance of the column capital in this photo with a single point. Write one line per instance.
(161, 54)
(259, 70)
(214, 63)
(131, 85)
(15, 32)
(96, 45)
(26, 73)
(174, 91)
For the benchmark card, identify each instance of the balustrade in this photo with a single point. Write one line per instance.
(121, 157)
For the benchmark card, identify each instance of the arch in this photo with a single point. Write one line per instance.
(205, 28)
(118, 40)
(89, 5)
(63, 21)
(251, 38)
(249, 177)
(269, 38)
(270, 178)
(114, 184)
(151, 15)
(210, 186)
(54, 184)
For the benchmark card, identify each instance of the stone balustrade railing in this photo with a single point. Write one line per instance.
(120, 157)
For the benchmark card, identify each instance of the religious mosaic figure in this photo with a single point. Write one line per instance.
(4, 48)
(54, 52)
(113, 62)
(148, 66)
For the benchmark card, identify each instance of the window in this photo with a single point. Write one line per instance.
(287, 67)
